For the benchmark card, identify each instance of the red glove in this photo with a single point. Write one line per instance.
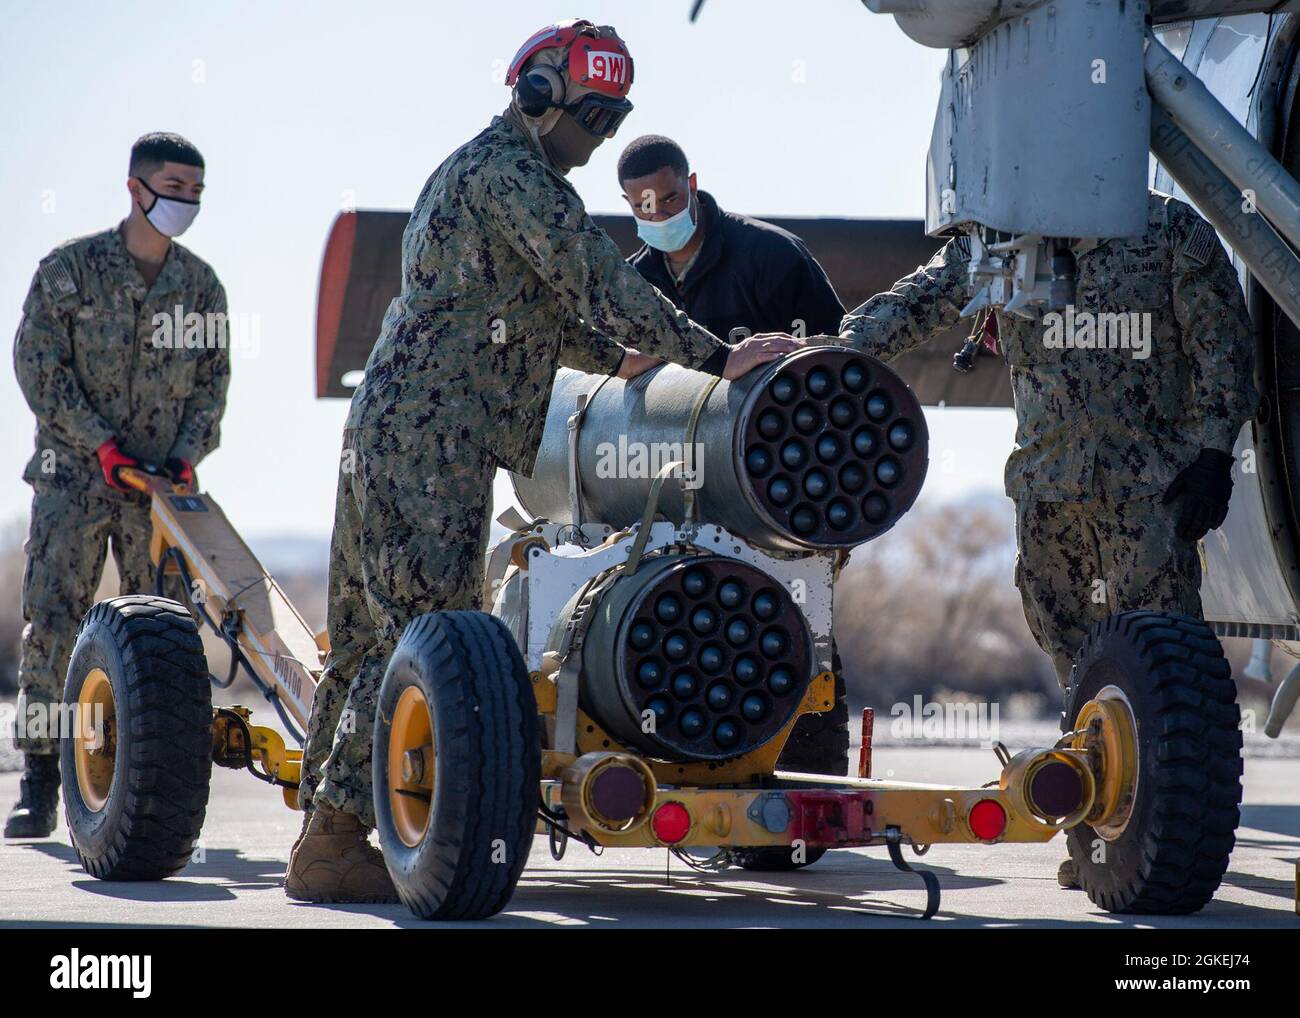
(182, 471)
(110, 458)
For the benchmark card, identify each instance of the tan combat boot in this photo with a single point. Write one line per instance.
(333, 862)
(302, 831)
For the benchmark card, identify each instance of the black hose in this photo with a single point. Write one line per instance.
(555, 824)
(227, 630)
(716, 863)
(270, 779)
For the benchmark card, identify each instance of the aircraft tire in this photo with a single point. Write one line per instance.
(1169, 850)
(457, 732)
(135, 789)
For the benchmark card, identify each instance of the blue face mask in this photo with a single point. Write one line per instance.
(671, 234)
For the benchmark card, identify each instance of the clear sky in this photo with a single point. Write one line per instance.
(816, 108)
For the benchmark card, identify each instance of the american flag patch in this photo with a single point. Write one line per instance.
(56, 279)
(1200, 245)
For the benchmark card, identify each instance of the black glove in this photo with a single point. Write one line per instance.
(1205, 487)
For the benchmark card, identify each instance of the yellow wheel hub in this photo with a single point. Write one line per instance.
(411, 766)
(1106, 731)
(95, 739)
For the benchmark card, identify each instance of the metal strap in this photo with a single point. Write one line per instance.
(575, 430)
(566, 706)
(575, 487)
(567, 679)
(647, 518)
(512, 519)
(688, 493)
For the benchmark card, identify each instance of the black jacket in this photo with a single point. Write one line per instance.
(748, 275)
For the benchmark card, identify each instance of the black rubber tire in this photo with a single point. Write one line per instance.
(819, 744)
(488, 765)
(147, 829)
(1173, 853)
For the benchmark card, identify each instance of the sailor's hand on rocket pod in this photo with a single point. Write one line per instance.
(759, 349)
(635, 363)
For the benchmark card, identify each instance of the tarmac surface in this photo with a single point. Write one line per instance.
(235, 879)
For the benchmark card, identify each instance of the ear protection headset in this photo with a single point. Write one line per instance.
(539, 89)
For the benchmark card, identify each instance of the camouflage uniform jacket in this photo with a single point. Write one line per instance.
(95, 363)
(503, 275)
(1133, 422)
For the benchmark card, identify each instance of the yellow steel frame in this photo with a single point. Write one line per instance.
(288, 655)
(277, 642)
(279, 761)
(925, 814)
(282, 649)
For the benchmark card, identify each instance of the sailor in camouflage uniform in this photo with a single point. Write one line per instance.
(504, 275)
(110, 383)
(1123, 456)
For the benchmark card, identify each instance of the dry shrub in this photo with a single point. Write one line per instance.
(930, 609)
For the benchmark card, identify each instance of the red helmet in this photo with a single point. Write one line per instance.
(596, 58)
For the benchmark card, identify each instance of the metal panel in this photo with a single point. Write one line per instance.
(946, 24)
(1243, 580)
(1030, 114)
(1211, 127)
(1179, 10)
(1249, 574)
(361, 272)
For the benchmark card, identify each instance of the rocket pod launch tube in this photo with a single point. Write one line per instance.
(825, 448)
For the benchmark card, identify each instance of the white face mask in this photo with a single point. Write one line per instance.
(170, 216)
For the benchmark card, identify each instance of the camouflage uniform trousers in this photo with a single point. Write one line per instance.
(65, 552)
(1079, 562)
(410, 535)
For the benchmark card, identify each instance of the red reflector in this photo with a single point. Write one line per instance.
(987, 820)
(671, 822)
